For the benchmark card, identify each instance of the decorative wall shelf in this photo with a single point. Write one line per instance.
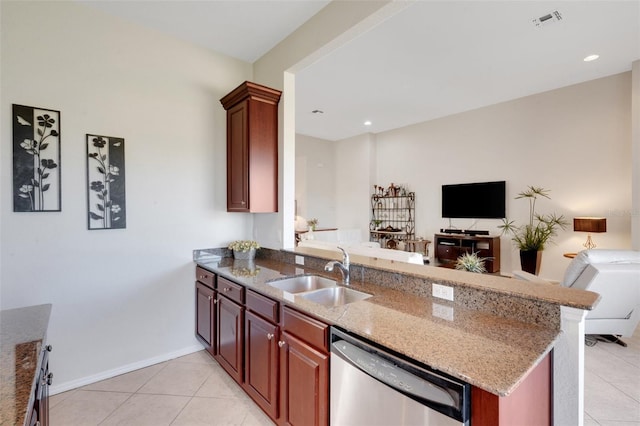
(392, 219)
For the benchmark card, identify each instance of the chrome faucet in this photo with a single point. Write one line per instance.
(344, 266)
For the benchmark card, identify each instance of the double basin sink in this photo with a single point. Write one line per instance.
(317, 289)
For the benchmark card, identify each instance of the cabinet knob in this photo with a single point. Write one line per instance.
(49, 348)
(226, 289)
(281, 343)
(49, 378)
(209, 297)
(202, 277)
(269, 336)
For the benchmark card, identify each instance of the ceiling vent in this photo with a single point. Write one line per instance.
(547, 19)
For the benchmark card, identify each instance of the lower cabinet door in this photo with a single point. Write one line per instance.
(229, 341)
(261, 363)
(304, 383)
(205, 316)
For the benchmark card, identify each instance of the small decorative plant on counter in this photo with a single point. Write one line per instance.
(244, 249)
(471, 262)
(532, 237)
(312, 224)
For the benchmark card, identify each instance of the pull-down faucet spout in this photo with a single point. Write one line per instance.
(344, 266)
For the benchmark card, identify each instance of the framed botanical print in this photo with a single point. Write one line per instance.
(36, 159)
(106, 201)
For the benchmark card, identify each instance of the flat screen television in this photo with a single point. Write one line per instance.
(481, 200)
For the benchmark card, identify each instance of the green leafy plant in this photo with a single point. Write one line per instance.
(471, 262)
(312, 223)
(541, 227)
(243, 245)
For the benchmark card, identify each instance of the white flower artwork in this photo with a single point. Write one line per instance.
(36, 159)
(105, 182)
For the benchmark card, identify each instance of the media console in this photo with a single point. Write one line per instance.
(449, 246)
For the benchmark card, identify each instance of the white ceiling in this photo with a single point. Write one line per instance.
(432, 59)
(243, 29)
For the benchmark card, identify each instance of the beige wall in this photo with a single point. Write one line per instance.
(574, 141)
(316, 175)
(122, 299)
(336, 24)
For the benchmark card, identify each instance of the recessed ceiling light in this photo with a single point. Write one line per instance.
(367, 123)
(591, 58)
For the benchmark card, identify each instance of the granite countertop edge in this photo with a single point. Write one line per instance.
(19, 326)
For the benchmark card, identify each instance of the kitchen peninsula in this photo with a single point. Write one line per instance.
(494, 336)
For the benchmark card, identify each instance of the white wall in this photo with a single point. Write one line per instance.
(334, 25)
(120, 298)
(316, 175)
(354, 181)
(574, 141)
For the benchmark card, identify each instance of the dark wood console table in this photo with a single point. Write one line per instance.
(448, 247)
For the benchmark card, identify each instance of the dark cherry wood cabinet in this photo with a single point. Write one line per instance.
(229, 342)
(304, 370)
(252, 148)
(230, 328)
(206, 309)
(206, 316)
(278, 355)
(448, 247)
(261, 362)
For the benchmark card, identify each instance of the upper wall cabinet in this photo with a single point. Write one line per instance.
(252, 148)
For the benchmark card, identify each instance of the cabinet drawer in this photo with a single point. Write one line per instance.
(206, 277)
(231, 290)
(312, 331)
(263, 306)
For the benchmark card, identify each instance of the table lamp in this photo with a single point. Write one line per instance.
(589, 224)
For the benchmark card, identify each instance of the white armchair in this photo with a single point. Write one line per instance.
(615, 275)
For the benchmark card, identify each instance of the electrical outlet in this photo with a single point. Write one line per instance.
(300, 260)
(441, 311)
(442, 291)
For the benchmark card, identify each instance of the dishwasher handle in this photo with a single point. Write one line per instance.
(395, 376)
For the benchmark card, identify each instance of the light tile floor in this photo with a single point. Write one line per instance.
(612, 383)
(187, 391)
(194, 390)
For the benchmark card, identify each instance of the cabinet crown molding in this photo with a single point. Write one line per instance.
(249, 90)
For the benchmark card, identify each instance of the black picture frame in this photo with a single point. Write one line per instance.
(37, 180)
(106, 195)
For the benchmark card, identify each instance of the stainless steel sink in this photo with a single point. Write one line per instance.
(335, 296)
(303, 283)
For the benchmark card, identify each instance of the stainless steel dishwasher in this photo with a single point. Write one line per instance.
(372, 387)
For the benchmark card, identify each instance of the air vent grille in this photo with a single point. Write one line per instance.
(547, 19)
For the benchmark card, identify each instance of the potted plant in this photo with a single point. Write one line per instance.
(471, 262)
(312, 224)
(244, 249)
(532, 237)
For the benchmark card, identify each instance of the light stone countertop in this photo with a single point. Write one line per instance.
(489, 351)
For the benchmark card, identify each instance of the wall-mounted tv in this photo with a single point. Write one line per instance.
(481, 200)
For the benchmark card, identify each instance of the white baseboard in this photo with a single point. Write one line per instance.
(73, 384)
